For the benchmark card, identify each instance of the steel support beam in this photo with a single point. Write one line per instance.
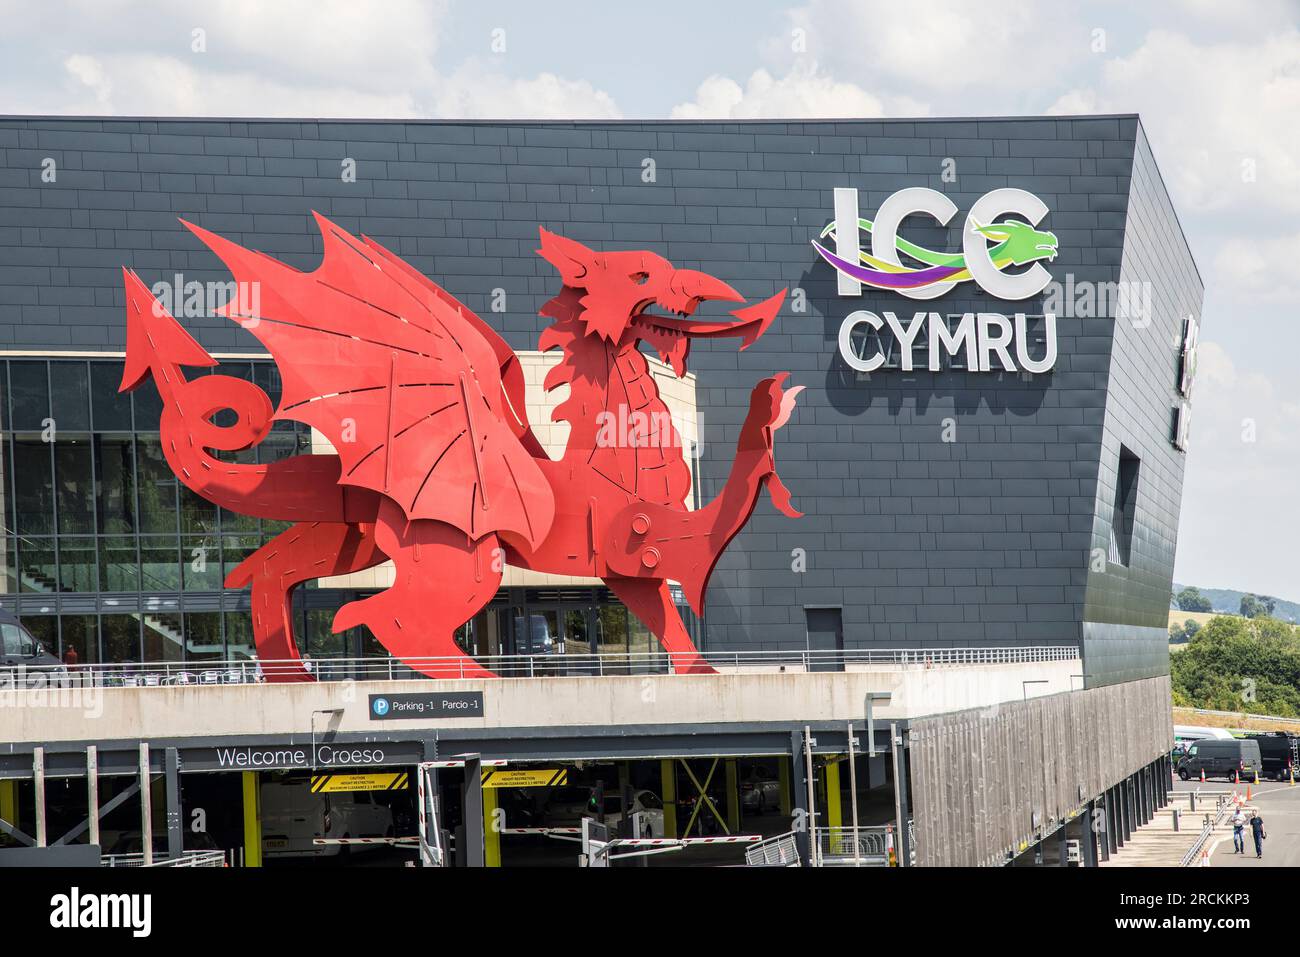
(904, 842)
(251, 788)
(668, 791)
(798, 798)
(175, 840)
(472, 814)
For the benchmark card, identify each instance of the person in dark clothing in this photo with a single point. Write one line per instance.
(1257, 832)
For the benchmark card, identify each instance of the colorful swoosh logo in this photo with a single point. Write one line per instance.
(1016, 243)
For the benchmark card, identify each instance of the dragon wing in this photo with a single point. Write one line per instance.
(414, 391)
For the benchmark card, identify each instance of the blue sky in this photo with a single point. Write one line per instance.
(1218, 91)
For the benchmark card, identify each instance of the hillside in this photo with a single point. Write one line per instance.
(1228, 601)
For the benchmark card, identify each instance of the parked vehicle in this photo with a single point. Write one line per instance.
(23, 660)
(1277, 748)
(566, 807)
(293, 817)
(1238, 757)
(760, 792)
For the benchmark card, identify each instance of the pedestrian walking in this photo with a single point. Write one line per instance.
(1239, 832)
(1257, 832)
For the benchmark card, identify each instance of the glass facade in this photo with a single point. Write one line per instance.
(105, 552)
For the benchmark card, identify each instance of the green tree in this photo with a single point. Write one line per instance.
(1191, 599)
(1253, 606)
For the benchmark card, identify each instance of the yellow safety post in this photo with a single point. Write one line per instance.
(252, 820)
(834, 812)
(491, 831)
(733, 796)
(1292, 778)
(668, 785)
(9, 802)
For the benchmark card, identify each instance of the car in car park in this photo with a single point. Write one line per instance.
(1277, 750)
(760, 792)
(567, 806)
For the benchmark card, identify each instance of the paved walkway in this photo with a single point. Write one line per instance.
(1157, 844)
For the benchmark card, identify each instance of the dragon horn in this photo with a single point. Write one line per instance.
(153, 337)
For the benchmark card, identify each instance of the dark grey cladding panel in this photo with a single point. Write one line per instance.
(982, 539)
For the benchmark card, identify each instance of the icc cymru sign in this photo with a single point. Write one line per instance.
(978, 342)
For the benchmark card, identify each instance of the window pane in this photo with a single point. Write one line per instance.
(119, 569)
(239, 635)
(163, 637)
(44, 628)
(157, 486)
(121, 637)
(237, 522)
(34, 495)
(70, 396)
(110, 408)
(80, 632)
(115, 475)
(74, 485)
(234, 549)
(198, 515)
(8, 566)
(29, 387)
(160, 569)
(203, 636)
(202, 558)
(77, 564)
(36, 559)
(148, 406)
(321, 642)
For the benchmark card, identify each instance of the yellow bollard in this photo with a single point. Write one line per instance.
(1293, 775)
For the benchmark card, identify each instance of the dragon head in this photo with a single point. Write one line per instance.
(617, 295)
(1019, 242)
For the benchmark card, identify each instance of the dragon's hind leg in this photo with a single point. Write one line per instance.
(300, 553)
(442, 580)
(650, 600)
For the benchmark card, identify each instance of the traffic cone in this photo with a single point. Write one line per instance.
(1205, 858)
(1202, 775)
(1247, 792)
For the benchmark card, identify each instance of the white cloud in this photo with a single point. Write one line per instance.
(1221, 115)
(803, 92)
(324, 58)
(1239, 519)
(1260, 267)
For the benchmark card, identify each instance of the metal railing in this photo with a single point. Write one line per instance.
(779, 851)
(250, 671)
(1207, 829)
(187, 859)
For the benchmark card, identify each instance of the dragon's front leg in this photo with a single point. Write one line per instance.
(300, 553)
(442, 580)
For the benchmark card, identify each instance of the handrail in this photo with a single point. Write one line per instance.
(606, 664)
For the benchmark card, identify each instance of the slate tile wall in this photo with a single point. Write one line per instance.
(982, 540)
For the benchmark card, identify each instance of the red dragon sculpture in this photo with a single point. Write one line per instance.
(437, 468)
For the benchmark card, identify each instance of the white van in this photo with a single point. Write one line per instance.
(293, 818)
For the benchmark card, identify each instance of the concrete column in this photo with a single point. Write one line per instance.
(175, 841)
(1114, 826)
(668, 792)
(798, 799)
(38, 778)
(834, 807)
(491, 833)
(252, 819)
(472, 812)
(9, 802)
(733, 796)
(92, 792)
(1063, 845)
